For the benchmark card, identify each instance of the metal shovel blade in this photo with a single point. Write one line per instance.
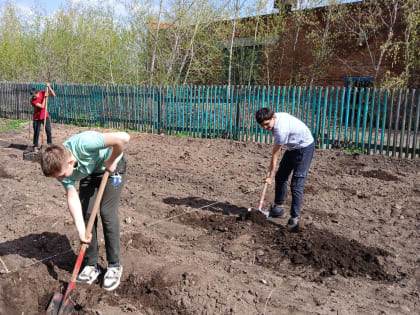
(59, 307)
(266, 213)
(32, 156)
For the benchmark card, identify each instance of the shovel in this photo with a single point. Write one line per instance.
(62, 304)
(261, 203)
(32, 155)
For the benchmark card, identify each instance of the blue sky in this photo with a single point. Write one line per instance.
(50, 6)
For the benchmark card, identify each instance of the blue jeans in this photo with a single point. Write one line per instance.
(297, 161)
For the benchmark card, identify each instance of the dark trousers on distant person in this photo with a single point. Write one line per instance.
(88, 191)
(37, 129)
(298, 161)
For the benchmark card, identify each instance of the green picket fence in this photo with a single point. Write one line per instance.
(371, 121)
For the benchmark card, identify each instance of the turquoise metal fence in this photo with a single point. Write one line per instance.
(372, 121)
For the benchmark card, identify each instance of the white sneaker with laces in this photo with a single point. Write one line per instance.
(88, 275)
(112, 278)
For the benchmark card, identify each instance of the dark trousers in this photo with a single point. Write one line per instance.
(37, 124)
(88, 191)
(297, 161)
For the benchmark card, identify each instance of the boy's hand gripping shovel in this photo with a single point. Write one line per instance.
(261, 203)
(62, 304)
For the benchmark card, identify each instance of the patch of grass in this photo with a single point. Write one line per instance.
(13, 125)
(182, 135)
(353, 150)
(130, 129)
(79, 124)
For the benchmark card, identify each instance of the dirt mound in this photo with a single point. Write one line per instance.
(380, 174)
(327, 253)
(151, 294)
(140, 242)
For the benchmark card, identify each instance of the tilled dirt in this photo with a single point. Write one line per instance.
(189, 245)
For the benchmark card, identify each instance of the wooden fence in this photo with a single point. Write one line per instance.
(372, 121)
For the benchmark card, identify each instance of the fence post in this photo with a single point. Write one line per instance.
(378, 118)
(324, 113)
(397, 120)
(383, 122)
(329, 118)
(372, 112)
(407, 144)
(365, 116)
(403, 123)
(416, 128)
(238, 112)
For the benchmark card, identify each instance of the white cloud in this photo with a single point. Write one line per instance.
(118, 6)
(24, 9)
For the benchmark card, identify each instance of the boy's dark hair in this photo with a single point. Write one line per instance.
(32, 91)
(262, 114)
(53, 157)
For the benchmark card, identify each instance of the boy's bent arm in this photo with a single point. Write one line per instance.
(118, 141)
(273, 162)
(50, 89)
(75, 208)
(39, 105)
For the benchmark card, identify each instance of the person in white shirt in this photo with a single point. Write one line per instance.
(295, 136)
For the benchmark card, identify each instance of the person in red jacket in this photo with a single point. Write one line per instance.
(38, 102)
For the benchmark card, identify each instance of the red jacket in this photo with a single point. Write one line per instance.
(39, 113)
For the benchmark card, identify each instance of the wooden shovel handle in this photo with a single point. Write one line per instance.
(97, 203)
(89, 226)
(45, 116)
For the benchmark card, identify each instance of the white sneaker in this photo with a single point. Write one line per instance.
(112, 278)
(88, 274)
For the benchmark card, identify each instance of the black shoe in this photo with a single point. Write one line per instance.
(292, 223)
(276, 212)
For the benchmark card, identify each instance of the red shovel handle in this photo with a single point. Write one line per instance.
(88, 232)
(261, 203)
(75, 271)
(90, 225)
(61, 304)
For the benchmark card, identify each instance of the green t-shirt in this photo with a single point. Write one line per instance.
(89, 149)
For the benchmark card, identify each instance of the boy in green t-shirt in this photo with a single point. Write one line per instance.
(85, 157)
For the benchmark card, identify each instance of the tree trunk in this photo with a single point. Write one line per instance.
(152, 65)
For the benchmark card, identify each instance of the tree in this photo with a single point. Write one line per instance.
(407, 48)
(371, 25)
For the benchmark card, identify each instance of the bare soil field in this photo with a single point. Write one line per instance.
(189, 245)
